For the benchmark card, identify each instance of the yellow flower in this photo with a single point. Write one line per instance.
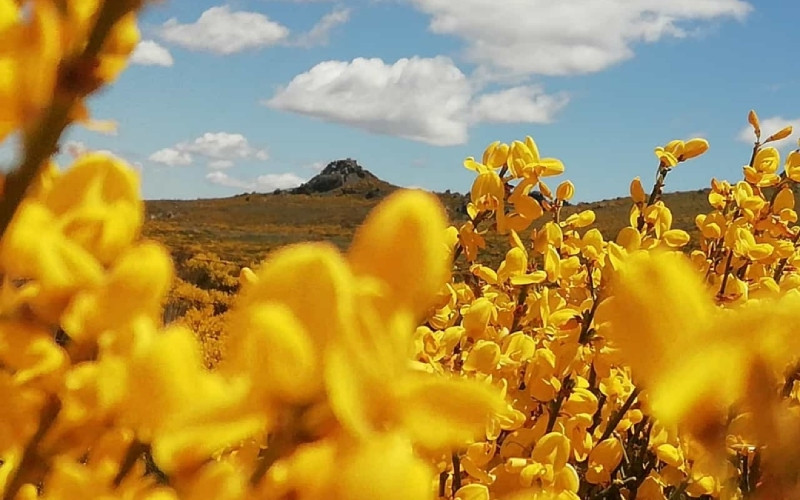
(780, 134)
(681, 346)
(752, 118)
(745, 246)
(650, 489)
(473, 491)
(76, 225)
(793, 165)
(581, 219)
(565, 191)
(524, 161)
(340, 469)
(162, 390)
(343, 327)
(675, 238)
(603, 459)
(28, 353)
(540, 377)
(693, 148)
(142, 274)
(470, 240)
(669, 454)
(478, 315)
(28, 64)
(765, 166)
(483, 357)
(526, 208)
(550, 457)
(666, 158)
(495, 155)
(637, 191)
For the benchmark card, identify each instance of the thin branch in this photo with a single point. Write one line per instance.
(30, 455)
(456, 473)
(555, 406)
(617, 418)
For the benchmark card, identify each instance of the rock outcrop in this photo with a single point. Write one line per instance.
(345, 177)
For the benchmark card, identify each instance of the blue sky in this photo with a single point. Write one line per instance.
(250, 95)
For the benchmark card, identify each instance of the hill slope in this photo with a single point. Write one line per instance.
(329, 207)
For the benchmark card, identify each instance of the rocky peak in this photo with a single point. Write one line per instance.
(345, 176)
(346, 168)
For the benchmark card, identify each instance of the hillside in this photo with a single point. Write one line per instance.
(329, 207)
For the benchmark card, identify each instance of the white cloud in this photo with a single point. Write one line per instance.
(220, 31)
(263, 183)
(220, 164)
(278, 181)
(223, 146)
(150, 53)
(221, 149)
(518, 104)
(422, 99)
(768, 127)
(171, 157)
(567, 37)
(319, 33)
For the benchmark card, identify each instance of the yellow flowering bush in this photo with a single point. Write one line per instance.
(200, 296)
(581, 367)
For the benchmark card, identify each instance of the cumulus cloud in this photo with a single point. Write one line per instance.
(422, 99)
(222, 31)
(264, 183)
(768, 127)
(565, 38)
(150, 53)
(518, 104)
(224, 146)
(171, 157)
(320, 32)
(221, 149)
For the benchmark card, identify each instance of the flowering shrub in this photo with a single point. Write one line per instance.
(200, 297)
(577, 368)
(630, 369)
